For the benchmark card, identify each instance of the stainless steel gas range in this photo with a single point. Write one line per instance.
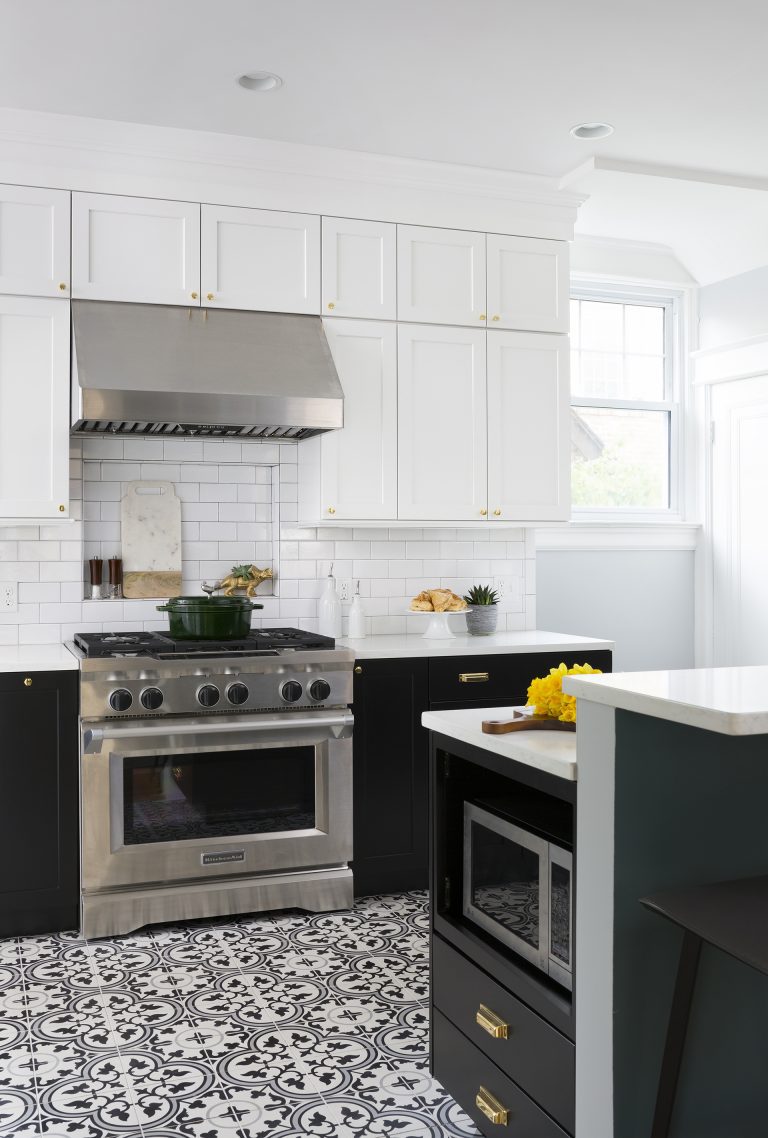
(215, 778)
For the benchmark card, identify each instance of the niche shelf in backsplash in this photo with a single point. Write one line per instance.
(229, 507)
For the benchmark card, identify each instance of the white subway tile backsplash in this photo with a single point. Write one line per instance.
(218, 531)
(222, 452)
(237, 474)
(39, 633)
(353, 549)
(183, 450)
(160, 471)
(388, 549)
(237, 511)
(32, 591)
(203, 472)
(20, 571)
(213, 492)
(101, 448)
(115, 471)
(143, 449)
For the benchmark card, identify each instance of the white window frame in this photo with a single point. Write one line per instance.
(673, 302)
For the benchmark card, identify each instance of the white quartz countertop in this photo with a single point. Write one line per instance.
(733, 701)
(550, 751)
(37, 658)
(392, 647)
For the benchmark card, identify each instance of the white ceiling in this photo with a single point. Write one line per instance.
(491, 83)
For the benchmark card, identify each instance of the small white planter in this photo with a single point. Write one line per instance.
(482, 619)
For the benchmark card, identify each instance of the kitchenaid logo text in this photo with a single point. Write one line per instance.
(218, 858)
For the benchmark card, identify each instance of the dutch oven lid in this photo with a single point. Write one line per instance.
(212, 602)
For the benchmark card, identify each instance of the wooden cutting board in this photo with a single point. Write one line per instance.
(150, 515)
(524, 723)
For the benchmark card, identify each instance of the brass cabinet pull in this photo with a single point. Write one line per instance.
(209, 296)
(493, 1110)
(483, 513)
(193, 295)
(331, 510)
(62, 287)
(62, 509)
(358, 670)
(497, 513)
(481, 316)
(331, 305)
(490, 1022)
(474, 677)
(497, 318)
(27, 681)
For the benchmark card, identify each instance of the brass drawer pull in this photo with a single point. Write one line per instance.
(493, 1024)
(474, 677)
(493, 1110)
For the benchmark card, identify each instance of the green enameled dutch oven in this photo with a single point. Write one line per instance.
(209, 618)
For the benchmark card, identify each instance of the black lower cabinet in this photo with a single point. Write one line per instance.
(39, 830)
(391, 776)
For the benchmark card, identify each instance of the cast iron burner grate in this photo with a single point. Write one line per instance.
(260, 641)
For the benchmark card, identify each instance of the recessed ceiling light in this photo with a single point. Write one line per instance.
(592, 130)
(260, 81)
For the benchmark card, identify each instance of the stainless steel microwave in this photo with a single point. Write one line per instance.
(519, 887)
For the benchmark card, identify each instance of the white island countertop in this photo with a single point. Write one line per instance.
(394, 647)
(733, 701)
(37, 658)
(550, 751)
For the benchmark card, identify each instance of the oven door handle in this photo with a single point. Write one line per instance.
(338, 726)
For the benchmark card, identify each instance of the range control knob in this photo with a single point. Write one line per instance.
(291, 691)
(319, 690)
(237, 694)
(151, 698)
(208, 695)
(120, 699)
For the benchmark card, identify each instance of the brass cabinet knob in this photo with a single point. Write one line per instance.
(496, 1027)
(62, 509)
(209, 296)
(193, 295)
(496, 318)
(497, 513)
(331, 510)
(358, 670)
(483, 513)
(331, 304)
(481, 316)
(490, 1106)
(27, 681)
(63, 287)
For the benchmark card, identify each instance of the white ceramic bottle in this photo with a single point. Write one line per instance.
(329, 609)
(357, 616)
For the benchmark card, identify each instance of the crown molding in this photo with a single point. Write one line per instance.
(71, 152)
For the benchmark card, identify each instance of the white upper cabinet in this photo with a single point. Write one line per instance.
(528, 428)
(441, 423)
(440, 276)
(358, 464)
(34, 241)
(359, 268)
(528, 284)
(260, 259)
(34, 408)
(136, 249)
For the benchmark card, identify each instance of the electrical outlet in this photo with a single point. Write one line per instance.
(8, 597)
(509, 589)
(344, 588)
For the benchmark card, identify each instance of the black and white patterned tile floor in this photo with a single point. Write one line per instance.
(278, 1024)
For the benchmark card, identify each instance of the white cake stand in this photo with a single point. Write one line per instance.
(437, 624)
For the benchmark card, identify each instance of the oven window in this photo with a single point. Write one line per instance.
(171, 798)
(505, 882)
(560, 917)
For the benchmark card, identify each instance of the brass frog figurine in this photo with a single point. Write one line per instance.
(243, 578)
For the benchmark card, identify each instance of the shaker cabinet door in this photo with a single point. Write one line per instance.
(34, 408)
(528, 284)
(34, 241)
(441, 423)
(359, 259)
(440, 276)
(528, 428)
(141, 250)
(358, 464)
(260, 259)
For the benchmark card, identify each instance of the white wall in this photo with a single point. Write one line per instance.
(641, 599)
(734, 309)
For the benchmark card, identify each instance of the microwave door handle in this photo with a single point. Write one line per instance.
(545, 901)
(339, 726)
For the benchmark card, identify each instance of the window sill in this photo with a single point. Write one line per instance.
(605, 535)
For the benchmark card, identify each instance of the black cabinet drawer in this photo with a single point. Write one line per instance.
(503, 678)
(534, 1054)
(468, 1074)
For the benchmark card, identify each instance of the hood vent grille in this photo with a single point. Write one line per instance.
(188, 430)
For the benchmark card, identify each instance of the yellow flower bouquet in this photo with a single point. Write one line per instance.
(546, 693)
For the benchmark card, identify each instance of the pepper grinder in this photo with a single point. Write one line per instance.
(96, 568)
(115, 577)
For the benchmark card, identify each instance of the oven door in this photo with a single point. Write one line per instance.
(191, 799)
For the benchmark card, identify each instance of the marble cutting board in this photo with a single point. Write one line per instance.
(150, 515)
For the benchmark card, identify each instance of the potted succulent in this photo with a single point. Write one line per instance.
(483, 613)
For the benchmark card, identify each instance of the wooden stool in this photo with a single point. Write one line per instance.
(732, 916)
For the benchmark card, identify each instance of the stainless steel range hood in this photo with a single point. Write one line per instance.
(150, 369)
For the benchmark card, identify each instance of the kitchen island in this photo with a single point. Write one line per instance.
(668, 774)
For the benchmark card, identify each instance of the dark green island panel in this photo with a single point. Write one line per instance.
(39, 811)
(691, 807)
